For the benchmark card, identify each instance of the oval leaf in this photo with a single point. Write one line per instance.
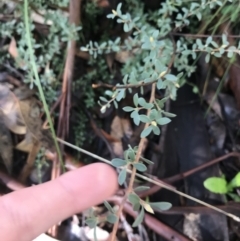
(128, 108)
(122, 176)
(163, 121)
(140, 167)
(108, 206)
(162, 206)
(146, 132)
(216, 185)
(141, 188)
(133, 198)
(111, 218)
(117, 162)
(144, 119)
(139, 218)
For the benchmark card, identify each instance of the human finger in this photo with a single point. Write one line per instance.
(29, 212)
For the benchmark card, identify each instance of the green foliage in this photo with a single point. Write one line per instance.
(220, 185)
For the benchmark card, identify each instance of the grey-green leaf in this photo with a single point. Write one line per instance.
(146, 132)
(144, 119)
(128, 108)
(162, 206)
(91, 222)
(141, 188)
(108, 206)
(122, 176)
(139, 218)
(140, 167)
(135, 99)
(111, 218)
(163, 121)
(117, 162)
(156, 130)
(133, 198)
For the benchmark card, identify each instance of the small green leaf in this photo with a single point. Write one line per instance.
(162, 206)
(171, 77)
(139, 218)
(207, 58)
(131, 155)
(128, 108)
(91, 222)
(143, 103)
(103, 99)
(135, 99)
(146, 160)
(133, 198)
(108, 206)
(156, 130)
(136, 117)
(209, 40)
(117, 162)
(141, 188)
(235, 182)
(84, 49)
(216, 185)
(146, 132)
(168, 114)
(163, 121)
(144, 119)
(195, 90)
(111, 218)
(136, 206)
(140, 167)
(122, 176)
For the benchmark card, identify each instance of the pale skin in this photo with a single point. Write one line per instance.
(27, 213)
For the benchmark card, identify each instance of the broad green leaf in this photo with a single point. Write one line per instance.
(216, 185)
(133, 198)
(139, 218)
(146, 132)
(117, 162)
(141, 188)
(128, 108)
(163, 121)
(108, 206)
(122, 176)
(111, 218)
(162, 206)
(140, 167)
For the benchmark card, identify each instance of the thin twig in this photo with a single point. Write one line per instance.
(156, 182)
(134, 170)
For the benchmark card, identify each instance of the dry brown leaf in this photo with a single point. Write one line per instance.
(12, 115)
(5, 144)
(26, 144)
(12, 49)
